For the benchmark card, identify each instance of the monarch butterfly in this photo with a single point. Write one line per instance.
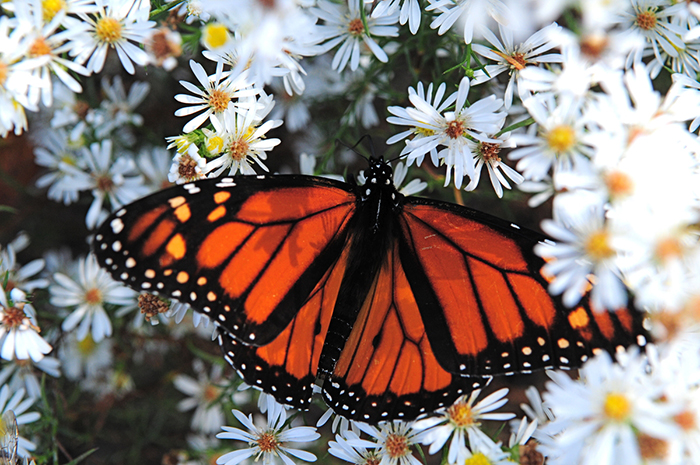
(399, 304)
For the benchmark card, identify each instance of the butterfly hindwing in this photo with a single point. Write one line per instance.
(287, 366)
(387, 369)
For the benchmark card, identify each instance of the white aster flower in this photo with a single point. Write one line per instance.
(15, 402)
(513, 58)
(559, 144)
(115, 25)
(650, 19)
(420, 98)
(110, 180)
(54, 151)
(217, 96)
(24, 276)
(154, 163)
(585, 245)
(267, 443)
(204, 395)
(50, 46)
(349, 447)
(243, 142)
(88, 294)
(410, 12)
(602, 417)
(118, 109)
(187, 165)
(473, 14)
(20, 374)
(393, 441)
(462, 422)
(164, 46)
(344, 26)
(451, 130)
(19, 334)
(486, 154)
(85, 359)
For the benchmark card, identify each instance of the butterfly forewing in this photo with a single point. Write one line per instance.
(497, 316)
(246, 254)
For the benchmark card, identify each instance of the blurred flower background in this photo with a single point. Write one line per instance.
(578, 118)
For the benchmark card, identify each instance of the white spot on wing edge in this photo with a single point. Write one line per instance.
(117, 225)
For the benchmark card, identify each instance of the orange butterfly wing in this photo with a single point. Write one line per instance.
(245, 252)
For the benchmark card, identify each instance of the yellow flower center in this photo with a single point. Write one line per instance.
(238, 149)
(39, 48)
(593, 45)
(108, 30)
(215, 144)
(461, 415)
(211, 393)
(455, 129)
(396, 445)
(668, 248)
(214, 35)
(86, 346)
(646, 20)
(619, 184)
(50, 8)
(686, 420)
(561, 139)
(356, 27)
(267, 442)
(598, 246)
(219, 100)
(489, 151)
(616, 407)
(13, 316)
(477, 459)
(93, 296)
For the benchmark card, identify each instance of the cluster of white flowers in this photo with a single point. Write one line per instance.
(597, 117)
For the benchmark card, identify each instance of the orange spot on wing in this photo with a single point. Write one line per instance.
(579, 318)
(158, 236)
(497, 301)
(221, 243)
(534, 298)
(144, 222)
(176, 247)
(183, 213)
(221, 196)
(216, 213)
(293, 203)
